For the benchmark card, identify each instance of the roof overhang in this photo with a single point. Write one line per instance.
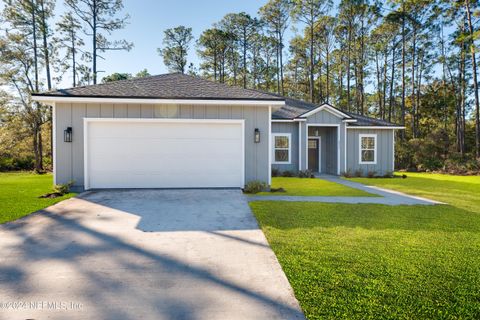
(328, 108)
(377, 127)
(47, 99)
(289, 120)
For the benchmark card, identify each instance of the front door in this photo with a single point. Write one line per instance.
(313, 155)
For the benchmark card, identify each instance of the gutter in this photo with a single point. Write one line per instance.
(48, 99)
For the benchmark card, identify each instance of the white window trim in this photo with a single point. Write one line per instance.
(289, 135)
(367, 135)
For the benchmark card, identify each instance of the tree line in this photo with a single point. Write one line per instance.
(35, 53)
(411, 62)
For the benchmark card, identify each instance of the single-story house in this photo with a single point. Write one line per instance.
(180, 131)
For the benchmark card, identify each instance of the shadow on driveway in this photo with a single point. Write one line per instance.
(203, 257)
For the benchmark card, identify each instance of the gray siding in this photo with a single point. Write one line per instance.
(292, 128)
(324, 117)
(69, 156)
(384, 151)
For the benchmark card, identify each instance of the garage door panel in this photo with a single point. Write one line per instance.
(141, 149)
(151, 181)
(164, 155)
(173, 131)
(163, 165)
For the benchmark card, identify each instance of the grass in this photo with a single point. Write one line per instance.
(19, 192)
(459, 191)
(312, 187)
(382, 262)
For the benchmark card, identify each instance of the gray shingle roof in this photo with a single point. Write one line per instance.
(181, 86)
(295, 108)
(368, 121)
(165, 86)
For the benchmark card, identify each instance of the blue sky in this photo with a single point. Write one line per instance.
(148, 20)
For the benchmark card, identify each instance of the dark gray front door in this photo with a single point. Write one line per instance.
(313, 155)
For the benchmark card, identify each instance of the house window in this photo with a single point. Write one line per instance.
(281, 148)
(368, 149)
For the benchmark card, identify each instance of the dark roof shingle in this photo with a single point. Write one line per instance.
(165, 86)
(181, 86)
(295, 108)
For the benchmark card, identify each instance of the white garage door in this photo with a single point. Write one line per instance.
(154, 153)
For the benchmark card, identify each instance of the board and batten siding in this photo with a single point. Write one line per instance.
(292, 129)
(324, 117)
(385, 149)
(69, 164)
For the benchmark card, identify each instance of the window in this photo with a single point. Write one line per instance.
(281, 148)
(368, 149)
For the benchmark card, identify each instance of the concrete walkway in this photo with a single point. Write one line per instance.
(385, 196)
(143, 254)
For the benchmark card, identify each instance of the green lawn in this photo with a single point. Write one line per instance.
(459, 191)
(19, 192)
(382, 262)
(312, 187)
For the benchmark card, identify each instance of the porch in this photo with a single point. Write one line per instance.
(323, 149)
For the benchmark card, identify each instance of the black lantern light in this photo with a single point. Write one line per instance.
(67, 134)
(257, 135)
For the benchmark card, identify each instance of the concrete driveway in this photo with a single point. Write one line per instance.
(142, 254)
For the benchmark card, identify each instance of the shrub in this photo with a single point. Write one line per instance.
(11, 164)
(63, 188)
(422, 154)
(255, 186)
(288, 174)
(347, 174)
(388, 174)
(372, 174)
(306, 174)
(275, 172)
(358, 173)
(461, 165)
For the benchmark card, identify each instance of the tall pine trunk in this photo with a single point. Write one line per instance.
(385, 62)
(392, 80)
(74, 63)
(379, 95)
(244, 58)
(278, 64)
(348, 66)
(328, 74)
(414, 111)
(46, 56)
(311, 84)
(281, 64)
(94, 44)
(475, 83)
(36, 110)
(402, 132)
